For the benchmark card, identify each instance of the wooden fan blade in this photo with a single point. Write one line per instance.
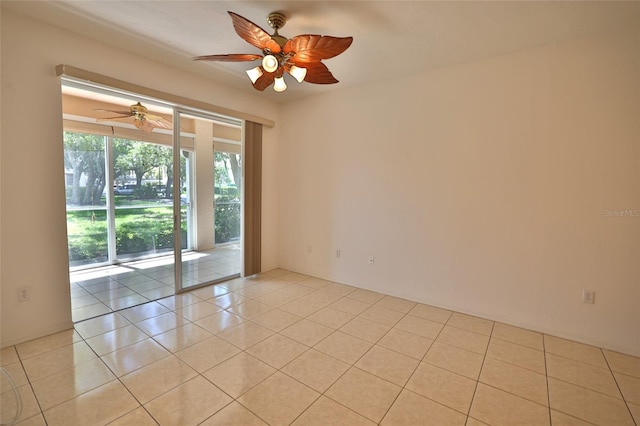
(149, 116)
(159, 122)
(312, 48)
(127, 112)
(264, 81)
(234, 57)
(317, 73)
(143, 125)
(114, 118)
(253, 34)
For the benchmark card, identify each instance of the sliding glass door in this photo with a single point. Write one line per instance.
(152, 209)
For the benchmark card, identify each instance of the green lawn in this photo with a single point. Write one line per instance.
(138, 230)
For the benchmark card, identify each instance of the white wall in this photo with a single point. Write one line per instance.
(481, 188)
(33, 248)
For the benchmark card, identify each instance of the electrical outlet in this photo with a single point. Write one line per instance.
(588, 296)
(338, 253)
(372, 260)
(24, 294)
(309, 248)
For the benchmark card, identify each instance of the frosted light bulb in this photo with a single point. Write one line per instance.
(254, 74)
(298, 73)
(270, 63)
(279, 85)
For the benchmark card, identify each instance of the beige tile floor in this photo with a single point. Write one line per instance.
(283, 348)
(98, 291)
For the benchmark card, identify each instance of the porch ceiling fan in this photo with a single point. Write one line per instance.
(142, 119)
(300, 56)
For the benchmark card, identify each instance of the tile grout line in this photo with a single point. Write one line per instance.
(42, 412)
(484, 357)
(404, 386)
(415, 369)
(116, 378)
(33, 391)
(546, 375)
(320, 394)
(198, 374)
(401, 387)
(626, 403)
(244, 351)
(248, 320)
(335, 381)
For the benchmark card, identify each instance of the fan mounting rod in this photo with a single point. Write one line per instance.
(276, 20)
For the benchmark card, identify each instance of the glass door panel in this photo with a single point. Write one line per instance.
(143, 206)
(142, 211)
(86, 198)
(228, 208)
(119, 220)
(203, 260)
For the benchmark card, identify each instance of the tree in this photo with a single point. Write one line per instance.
(227, 170)
(166, 161)
(84, 155)
(139, 158)
(120, 148)
(235, 170)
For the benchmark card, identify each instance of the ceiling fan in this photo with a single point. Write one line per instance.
(300, 56)
(142, 119)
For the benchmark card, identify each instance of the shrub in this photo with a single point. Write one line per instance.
(227, 222)
(129, 240)
(88, 246)
(146, 192)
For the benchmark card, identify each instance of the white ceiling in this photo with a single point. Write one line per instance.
(391, 38)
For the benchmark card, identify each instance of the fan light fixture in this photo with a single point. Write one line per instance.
(300, 56)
